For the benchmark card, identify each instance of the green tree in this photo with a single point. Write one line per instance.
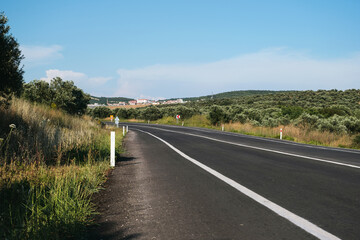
(11, 73)
(38, 91)
(60, 94)
(217, 115)
(101, 112)
(152, 113)
(68, 97)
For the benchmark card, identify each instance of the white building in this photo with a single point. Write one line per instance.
(142, 101)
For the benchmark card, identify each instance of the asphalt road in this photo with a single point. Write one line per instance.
(157, 193)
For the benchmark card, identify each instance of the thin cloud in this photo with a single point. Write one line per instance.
(276, 69)
(40, 55)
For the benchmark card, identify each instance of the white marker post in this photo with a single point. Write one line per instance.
(280, 133)
(112, 149)
(117, 121)
(222, 127)
(127, 129)
(123, 130)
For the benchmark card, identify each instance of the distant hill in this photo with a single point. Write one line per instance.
(104, 100)
(234, 94)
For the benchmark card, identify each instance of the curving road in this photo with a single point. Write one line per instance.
(191, 183)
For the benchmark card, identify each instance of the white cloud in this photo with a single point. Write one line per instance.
(39, 55)
(278, 69)
(91, 85)
(65, 75)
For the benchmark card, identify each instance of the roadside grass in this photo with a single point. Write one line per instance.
(290, 132)
(293, 133)
(51, 164)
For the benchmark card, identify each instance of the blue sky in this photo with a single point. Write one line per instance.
(163, 49)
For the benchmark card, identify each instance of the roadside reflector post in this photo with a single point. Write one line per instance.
(123, 130)
(112, 149)
(182, 123)
(117, 121)
(127, 128)
(222, 127)
(148, 121)
(280, 133)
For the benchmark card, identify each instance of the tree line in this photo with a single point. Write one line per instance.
(324, 110)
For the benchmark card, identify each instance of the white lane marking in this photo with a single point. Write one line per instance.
(295, 219)
(262, 149)
(211, 131)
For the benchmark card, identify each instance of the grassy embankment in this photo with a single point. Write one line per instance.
(290, 132)
(51, 164)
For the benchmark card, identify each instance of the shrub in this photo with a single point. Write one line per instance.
(101, 112)
(333, 124)
(218, 115)
(292, 111)
(270, 122)
(240, 117)
(307, 121)
(122, 113)
(356, 141)
(151, 113)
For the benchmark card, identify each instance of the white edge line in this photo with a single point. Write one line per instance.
(295, 219)
(263, 149)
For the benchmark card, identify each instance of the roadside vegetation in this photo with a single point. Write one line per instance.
(52, 157)
(51, 163)
(330, 118)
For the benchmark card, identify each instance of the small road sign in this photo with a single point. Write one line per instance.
(117, 121)
(177, 116)
(111, 117)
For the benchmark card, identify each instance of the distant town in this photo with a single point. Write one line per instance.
(136, 102)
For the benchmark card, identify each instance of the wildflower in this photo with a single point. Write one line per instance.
(12, 126)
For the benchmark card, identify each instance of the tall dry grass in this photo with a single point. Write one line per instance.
(293, 133)
(43, 134)
(50, 165)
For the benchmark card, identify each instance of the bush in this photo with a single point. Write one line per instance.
(333, 124)
(242, 118)
(307, 121)
(292, 111)
(122, 113)
(217, 115)
(151, 113)
(100, 112)
(356, 141)
(270, 122)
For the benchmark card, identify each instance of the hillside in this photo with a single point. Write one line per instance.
(234, 94)
(104, 100)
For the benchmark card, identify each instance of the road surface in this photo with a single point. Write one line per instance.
(190, 183)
